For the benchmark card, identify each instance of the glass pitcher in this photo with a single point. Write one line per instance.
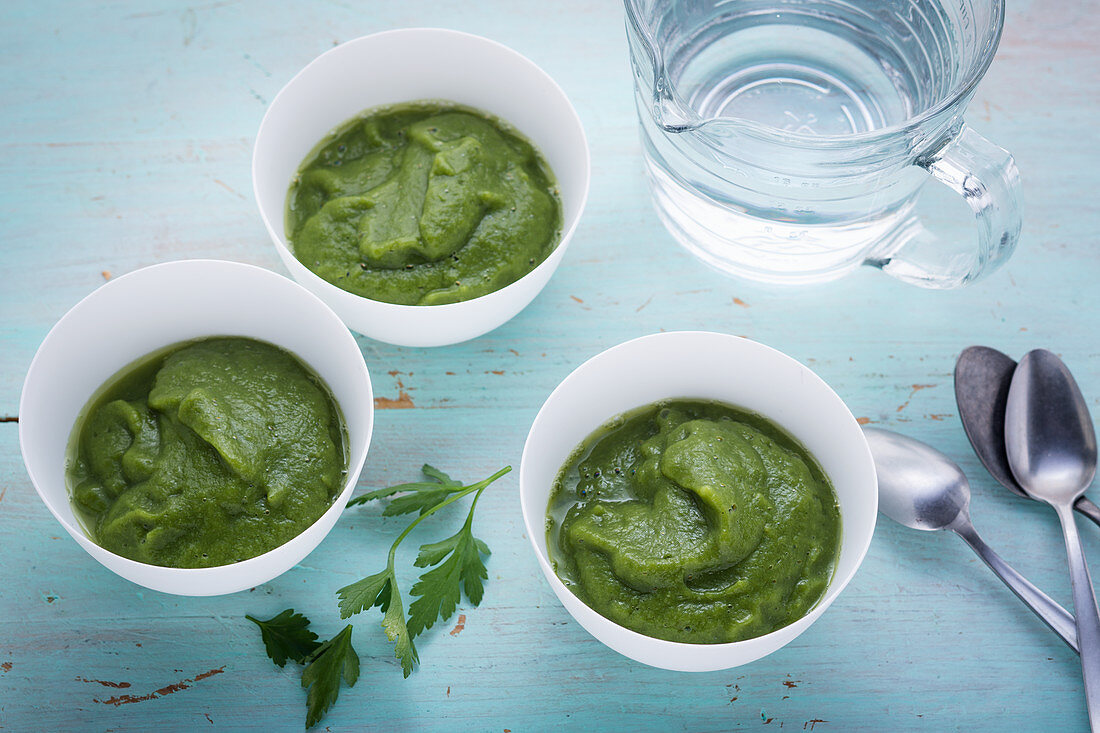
(788, 140)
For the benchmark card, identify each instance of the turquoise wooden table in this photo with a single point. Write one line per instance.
(126, 133)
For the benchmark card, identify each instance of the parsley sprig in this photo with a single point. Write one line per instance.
(456, 563)
(287, 636)
(456, 566)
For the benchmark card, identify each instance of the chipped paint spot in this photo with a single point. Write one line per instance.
(190, 25)
(916, 388)
(863, 420)
(167, 690)
(229, 188)
(210, 673)
(939, 416)
(175, 687)
(812, 723)
(514, 352)
(498, 372)
(643, 305)
(6, 666)
(576, 298)
(449, 374)
(106, 274)
(403, 402)
(738, 301)
(459, 627)
(9, 418)
(105, 683)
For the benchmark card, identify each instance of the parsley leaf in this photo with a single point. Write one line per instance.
(287, 636)
(438, 590)
(381, 590)
(332, 660)
(394, 623)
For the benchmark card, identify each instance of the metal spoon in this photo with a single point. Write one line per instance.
(982, 377)
(1051, 448)
(923, 489)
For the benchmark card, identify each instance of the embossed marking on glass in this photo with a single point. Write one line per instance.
(787, 140)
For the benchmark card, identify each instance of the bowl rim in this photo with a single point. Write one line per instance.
(77, 531)
(655, 645)
(568, 228)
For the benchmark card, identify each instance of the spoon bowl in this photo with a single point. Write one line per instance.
(1051, 448)
(982, 379)
(922, 488)
(1049, 438)
(919, 487)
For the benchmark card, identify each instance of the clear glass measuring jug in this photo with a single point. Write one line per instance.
(787, 140)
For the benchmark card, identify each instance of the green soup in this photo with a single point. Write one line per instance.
(695, 522)
(206, 453)
(422, 204)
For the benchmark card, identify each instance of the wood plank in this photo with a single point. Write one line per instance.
(126, 140)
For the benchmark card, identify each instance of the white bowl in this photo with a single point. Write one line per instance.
(145, 310)
(403, 66)
(709, 366)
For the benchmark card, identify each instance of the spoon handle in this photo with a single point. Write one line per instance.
(1046, 608)
(1088, 616)
(1087, 508)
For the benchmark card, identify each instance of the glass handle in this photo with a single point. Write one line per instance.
(985, 175)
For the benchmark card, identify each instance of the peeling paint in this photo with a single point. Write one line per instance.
(403, 402)
(916, 388)
(229, 188)
(105, 683)
(166, 690)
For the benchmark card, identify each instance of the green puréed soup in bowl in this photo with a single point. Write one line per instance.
(423, 203)
(694, 521)
(206, 453)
